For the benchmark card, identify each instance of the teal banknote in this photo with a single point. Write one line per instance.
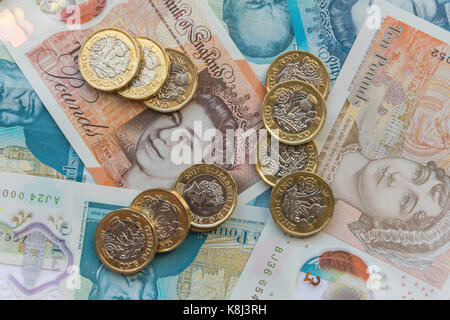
(47, 229)
(41, 226)
(30, 140)
(205, 266)
(261, 29)
(328, 28)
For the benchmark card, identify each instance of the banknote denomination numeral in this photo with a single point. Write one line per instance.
(313, 280)
(442, 56)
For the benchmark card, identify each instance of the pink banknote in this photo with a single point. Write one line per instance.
(387, 158)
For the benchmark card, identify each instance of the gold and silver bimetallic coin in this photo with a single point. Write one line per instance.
(211, 194)
(126, 241)
(181, 86)
(109, 59)
(275, 160)
(293, 112)
(299, 65)
(152, 74)
(302, 204)
(169, 212)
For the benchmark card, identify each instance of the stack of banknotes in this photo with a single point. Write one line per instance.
(70, 154)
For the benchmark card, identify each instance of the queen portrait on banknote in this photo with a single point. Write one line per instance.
(405, 205)
(154, 165)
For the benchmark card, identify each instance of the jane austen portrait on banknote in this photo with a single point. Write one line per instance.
(347, 16)
(405, 211)
(261, 28)
(151, 150)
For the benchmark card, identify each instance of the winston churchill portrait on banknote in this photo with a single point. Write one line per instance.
(387, 155)
(21, 111)
(259, 28)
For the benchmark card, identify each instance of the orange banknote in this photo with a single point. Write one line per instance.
(122, 142)
(387, 161)
(387, 158)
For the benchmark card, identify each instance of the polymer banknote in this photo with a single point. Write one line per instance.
(328, 28)
(42, 222)
(111, 134)
(387, 162)
(30, 140)
(206, 266)
(262, 30)
(47, 249)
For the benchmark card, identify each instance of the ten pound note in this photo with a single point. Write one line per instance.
(328, 28)
(121, 142)
(387, 160)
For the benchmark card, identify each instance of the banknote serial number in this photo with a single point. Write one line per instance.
(41, 198)
(441, 55)
(268, 272)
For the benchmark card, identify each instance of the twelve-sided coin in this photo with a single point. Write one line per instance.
(302, 204)
(125, 241)
(109, 59)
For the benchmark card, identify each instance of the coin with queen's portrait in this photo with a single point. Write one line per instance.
(210, 192)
